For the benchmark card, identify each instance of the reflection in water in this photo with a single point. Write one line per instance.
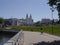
(4, 37)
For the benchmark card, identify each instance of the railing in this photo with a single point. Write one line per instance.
(18, 39)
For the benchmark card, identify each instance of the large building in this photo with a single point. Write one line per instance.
(19, 22)
(26, 21)
(14, 21)
(11, 21)
(29, 20)
(45, 21)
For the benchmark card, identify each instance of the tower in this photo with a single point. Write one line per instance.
(29, 20)
(26, 16)
(30, 16)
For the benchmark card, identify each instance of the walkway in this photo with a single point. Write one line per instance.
(35, 37)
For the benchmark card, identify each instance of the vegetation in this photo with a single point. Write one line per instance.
(55, 4)
(47, 29)
(1, 20)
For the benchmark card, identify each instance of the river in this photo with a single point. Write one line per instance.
(5, 36)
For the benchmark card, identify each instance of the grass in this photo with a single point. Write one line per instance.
(47, 29)
(26, 28)
(1, 28)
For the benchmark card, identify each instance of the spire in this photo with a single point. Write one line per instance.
(26, 16)
(30, 16)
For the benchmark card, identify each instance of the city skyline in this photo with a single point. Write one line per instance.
(19, 8)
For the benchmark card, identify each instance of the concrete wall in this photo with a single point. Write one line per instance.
(18, 39)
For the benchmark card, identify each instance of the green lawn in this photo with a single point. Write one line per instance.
(47, 29)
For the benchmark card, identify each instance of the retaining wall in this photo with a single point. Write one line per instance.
(18, 39)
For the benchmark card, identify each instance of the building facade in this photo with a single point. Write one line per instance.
(29, 20)
(26, 21)
(19, 22)
(11, 21)
(45, 21)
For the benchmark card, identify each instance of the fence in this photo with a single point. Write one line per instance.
(18, 39)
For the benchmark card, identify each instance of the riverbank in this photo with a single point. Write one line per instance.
(46, 29)
(5, 36)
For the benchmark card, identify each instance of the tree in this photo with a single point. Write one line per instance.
(55, 3)
(1, 20)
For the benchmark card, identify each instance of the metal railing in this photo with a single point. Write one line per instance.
(18, 39)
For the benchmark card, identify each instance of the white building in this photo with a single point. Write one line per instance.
(27, 21)
(14, 21)
(45, 21)
(21, 22)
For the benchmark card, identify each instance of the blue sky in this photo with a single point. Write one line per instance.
(19, 8)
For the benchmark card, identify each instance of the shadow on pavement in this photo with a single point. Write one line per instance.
(48, 43)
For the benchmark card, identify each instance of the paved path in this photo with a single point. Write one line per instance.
(35, 37)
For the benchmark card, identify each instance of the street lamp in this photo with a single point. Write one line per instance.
(52, 10)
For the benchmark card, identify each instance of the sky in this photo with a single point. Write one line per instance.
(19, 8)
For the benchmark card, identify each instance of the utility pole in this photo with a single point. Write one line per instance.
(52, 10)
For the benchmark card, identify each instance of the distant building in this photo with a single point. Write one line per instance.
(45, 21)
(14, 21)
(21, 22)
(7, 22)
(11, 21)
(55, 20)
(27, 21)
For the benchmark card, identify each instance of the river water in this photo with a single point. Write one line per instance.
(5, 36)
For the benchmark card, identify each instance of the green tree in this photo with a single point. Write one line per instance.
(1, 20)
(55, 3)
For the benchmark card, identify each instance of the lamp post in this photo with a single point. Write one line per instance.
(52, 10)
